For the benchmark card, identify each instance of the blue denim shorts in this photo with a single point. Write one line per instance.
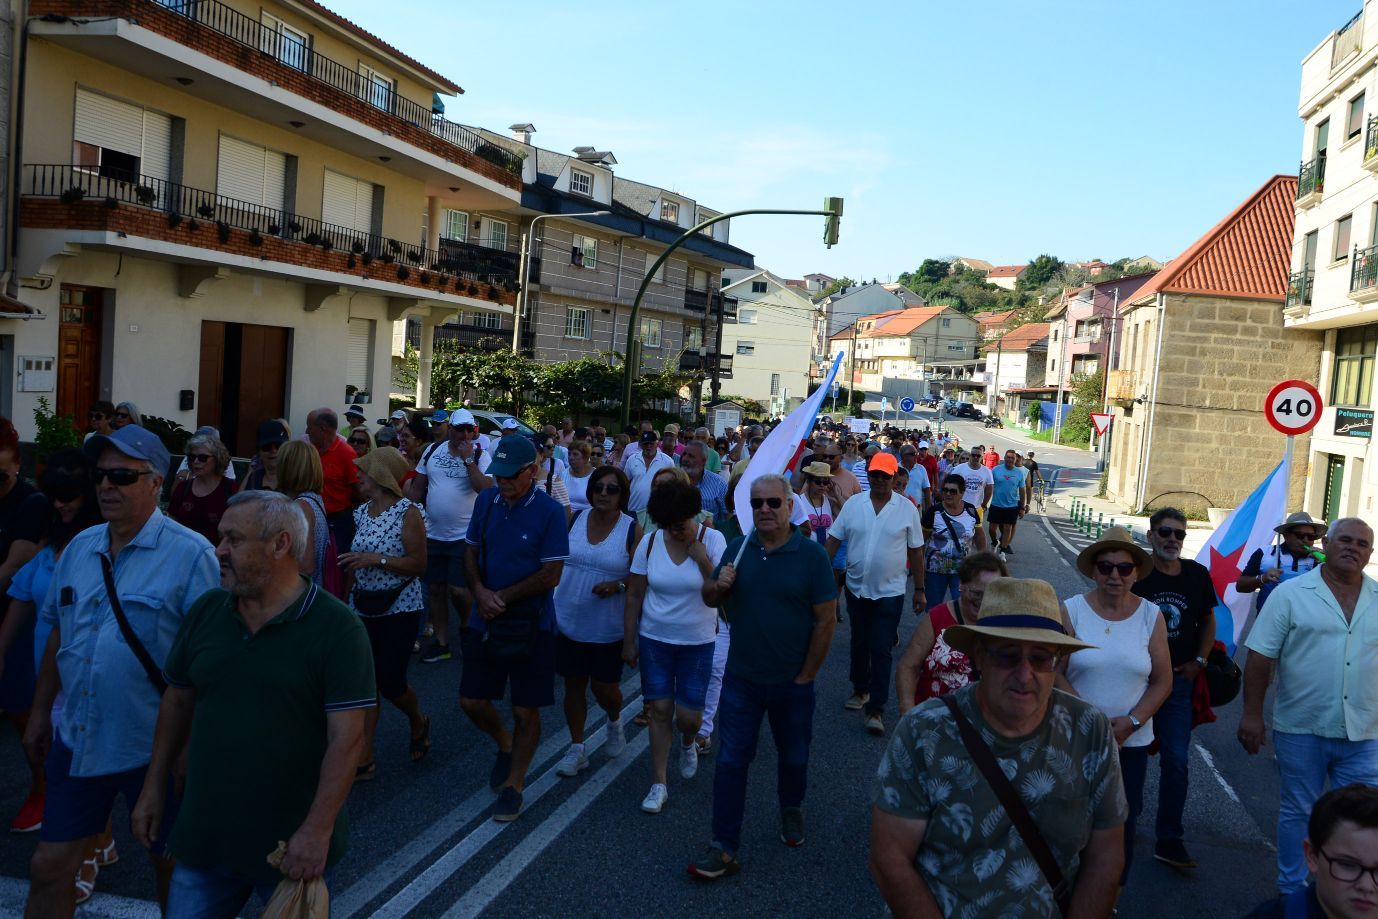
(79, 806)
(679, 672)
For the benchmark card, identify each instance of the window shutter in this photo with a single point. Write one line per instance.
(359, 360)
(109, 123)
(347, 202)
(157, 154)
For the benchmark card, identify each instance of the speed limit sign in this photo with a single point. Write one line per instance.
(1293, 407)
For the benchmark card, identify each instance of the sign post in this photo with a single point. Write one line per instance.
(1101, 422)
(907, 406)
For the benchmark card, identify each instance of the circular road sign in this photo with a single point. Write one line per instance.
(1293, 407)
(906, 404)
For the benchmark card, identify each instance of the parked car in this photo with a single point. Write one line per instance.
(488, 422)
(966, 410)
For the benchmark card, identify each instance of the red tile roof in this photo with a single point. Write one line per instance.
(993, 318)
(1022, 338)
(1246, 255)
(1006, 271)
(442, 82)
(903, 322)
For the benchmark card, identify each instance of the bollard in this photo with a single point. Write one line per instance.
(1098, 529)
(1100, 518)
(1073, 513)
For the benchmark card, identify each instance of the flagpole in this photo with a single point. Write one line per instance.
(742, 550)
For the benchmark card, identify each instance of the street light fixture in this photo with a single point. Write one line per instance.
(524, 271)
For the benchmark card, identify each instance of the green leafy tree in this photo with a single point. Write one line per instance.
(1086, 393)
(932, 271)
(1039, 272)
(573, 384)
(835, 286)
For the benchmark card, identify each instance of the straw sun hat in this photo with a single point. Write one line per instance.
(385, 466)
(1016, 609)
(1115, 538)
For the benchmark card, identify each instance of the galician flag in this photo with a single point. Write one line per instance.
(782, 447)
(1248, 529)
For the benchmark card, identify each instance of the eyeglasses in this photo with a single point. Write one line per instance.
(1172, 532)
(1305, 537)
(358, 441)
(120, 477)
(606, 488)
(197, 458)
(952, 491)
(1342, 869)
(598, 455)
(772, 503)
(125, 415)
(1124, 568)
(1009, 658)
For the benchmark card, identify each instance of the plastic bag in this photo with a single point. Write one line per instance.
(296, 899)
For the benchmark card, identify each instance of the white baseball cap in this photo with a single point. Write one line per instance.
(509, 424)
(463, 416)
(398, 415)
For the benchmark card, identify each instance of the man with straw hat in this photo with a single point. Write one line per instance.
(1292, 556)
(1004, 797)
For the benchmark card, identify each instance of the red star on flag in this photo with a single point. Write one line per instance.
(1224, 570)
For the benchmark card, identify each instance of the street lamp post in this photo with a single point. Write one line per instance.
(524, 271)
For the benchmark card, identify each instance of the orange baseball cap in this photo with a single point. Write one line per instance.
(883, 462)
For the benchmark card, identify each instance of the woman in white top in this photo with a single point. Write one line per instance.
(1128, 673)
(669, 629)
(550, 476)
(577, 474)
(590, 609)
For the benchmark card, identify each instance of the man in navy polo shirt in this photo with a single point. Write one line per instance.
(518, 542)
(782, 603)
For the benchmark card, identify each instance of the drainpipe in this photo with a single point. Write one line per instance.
(1152, 407)
(17, 153)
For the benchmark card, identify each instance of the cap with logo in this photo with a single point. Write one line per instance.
(134, 442)
(512, 454)
(510, 424)
(462, 416)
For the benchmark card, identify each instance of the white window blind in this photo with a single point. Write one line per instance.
(359, 360)
(493, 233)
(129, 129)
(251, 173)
(347, 202)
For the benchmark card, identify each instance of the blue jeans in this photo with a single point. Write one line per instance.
(936, 586)
(679, 672)
(1172, 727)
(1305, 761)
(213, 893)
(875, 629)
(741, 707)
(1133, 770)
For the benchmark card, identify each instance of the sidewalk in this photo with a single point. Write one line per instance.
(1083, 489)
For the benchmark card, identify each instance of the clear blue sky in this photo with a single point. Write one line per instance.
(997, 130)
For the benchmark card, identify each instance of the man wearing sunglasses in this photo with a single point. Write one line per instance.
(1183, 592)
(1292, 557)
(104, 732)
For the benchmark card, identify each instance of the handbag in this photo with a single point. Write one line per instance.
(1223, 678)
(377, 602)
(1015, 807)
(151, 670)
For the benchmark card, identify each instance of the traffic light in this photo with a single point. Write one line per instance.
(832, 222)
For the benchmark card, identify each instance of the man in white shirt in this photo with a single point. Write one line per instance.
(980, 482)
(449, 476)
(883, 533)
(642, 466)
(919, 489)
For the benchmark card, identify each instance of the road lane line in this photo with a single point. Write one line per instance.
(368, 886)
(1052, 531)
(480, 896)
(439, 871)
(1210, 764)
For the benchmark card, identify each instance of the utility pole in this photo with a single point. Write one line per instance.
(851, 372)
(1062, 371)
(1110, 356)
(714, 387)
(995, 382)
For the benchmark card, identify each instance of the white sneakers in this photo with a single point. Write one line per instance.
(617, 737)
(574, 762)
(655, 799)
(689, 760)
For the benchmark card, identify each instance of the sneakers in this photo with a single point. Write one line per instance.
(502, 768)
(435, 652)
(705, 744)
(655, 799)
(875, 724)
(689, 760)
(575, 761)
(714, 864)
(30, 816)
(617, 737)
(1174, 853)
(1008, 550)
(857, 701)
(792, 826)
(509, 806)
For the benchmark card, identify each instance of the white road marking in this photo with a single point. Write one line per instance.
(443, 868)
(1052, 531)
(480, 896)
(367, 887)
(1210, 764)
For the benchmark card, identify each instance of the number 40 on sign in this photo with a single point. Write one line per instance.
(1293, 407)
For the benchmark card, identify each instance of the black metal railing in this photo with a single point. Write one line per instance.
(728, 308)
(696, 300)
(184, 204)
(1349, 38)
(1363, 269)
(1299, 287)
(1311, 177)
(1371, 138)
(231, 23)
(690, 360)
(464, 335)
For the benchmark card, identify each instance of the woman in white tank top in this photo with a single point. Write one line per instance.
(1128, 674)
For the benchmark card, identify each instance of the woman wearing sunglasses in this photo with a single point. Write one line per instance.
(1128, 672)
(360, 440)
(590, 609)
(198, 502)
(263, 472)
(101, 416)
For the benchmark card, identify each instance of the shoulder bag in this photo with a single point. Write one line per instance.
(1015, 807)
(152, 670)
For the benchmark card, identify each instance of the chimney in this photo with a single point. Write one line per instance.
(522, 132)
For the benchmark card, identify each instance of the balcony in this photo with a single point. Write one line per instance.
(1299, 286)
(1371, 144)
(1311, 182)
(229, 37)
(695, 300)
(1349, 41)
(1121, 386)
(1087, 337)
(464, 336)
(725, 308)
(1363, 275)
(145, 208)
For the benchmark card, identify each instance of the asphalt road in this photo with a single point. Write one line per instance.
(422, 844)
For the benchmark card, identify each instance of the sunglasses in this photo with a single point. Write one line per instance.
(1305, 537)
(197, 458)
(952, 491)
(358, 442)
(1010, 658)
(1124, 568)
(598, 455)
(124, 415)
(772, 503)
(1173, 532)
(606, 488)
(120, 477)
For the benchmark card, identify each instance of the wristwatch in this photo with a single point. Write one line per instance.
(621, 587)
(467, 461)
(1201, 661)
(1134, 721)
(382, 561)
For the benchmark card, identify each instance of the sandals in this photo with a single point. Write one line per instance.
(420, 746)
(366, 772)
(644, 718)
(86, 880)
(107, 855)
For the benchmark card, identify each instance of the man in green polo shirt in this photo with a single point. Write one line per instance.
(269, 677)
(781, 599)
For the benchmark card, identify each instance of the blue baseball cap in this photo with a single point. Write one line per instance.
(439, 415)
(513, 454)
(134, 442)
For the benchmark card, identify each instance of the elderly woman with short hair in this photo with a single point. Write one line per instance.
(198, 502)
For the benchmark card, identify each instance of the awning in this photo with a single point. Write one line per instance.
(12, 307)
(437, 107)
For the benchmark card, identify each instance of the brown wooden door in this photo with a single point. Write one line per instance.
(243, 380)
(78, 351)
